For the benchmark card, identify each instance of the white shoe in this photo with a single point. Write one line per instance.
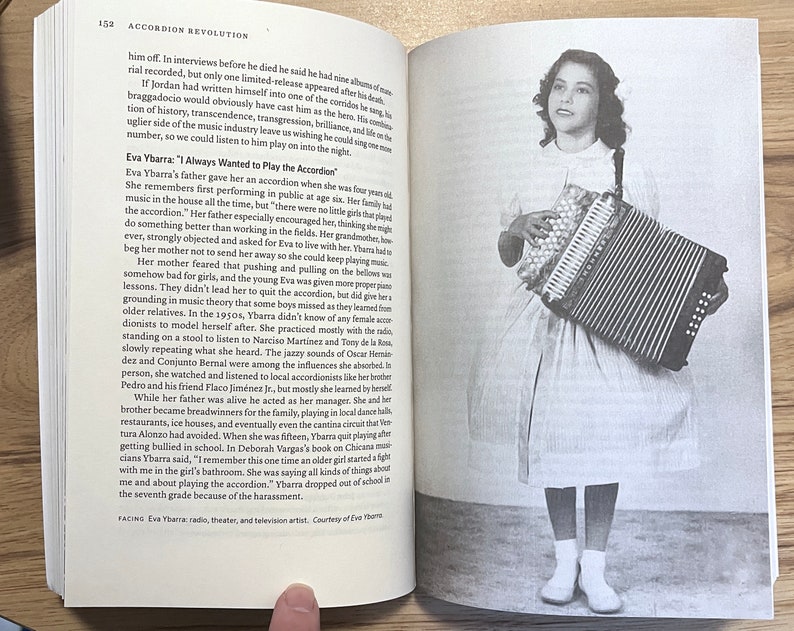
(601, 598)
(561, 587)
(558, 593)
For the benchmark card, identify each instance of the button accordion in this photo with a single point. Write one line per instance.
(624, 276)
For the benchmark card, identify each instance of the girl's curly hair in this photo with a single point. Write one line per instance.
(610, 126)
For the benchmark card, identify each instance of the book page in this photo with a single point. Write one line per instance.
(239, 411)
(532, 427)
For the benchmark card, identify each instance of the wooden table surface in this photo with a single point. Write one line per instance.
(23, 592)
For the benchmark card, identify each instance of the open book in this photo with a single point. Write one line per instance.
(271, 309)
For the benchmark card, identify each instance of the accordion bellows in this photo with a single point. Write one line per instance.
(624, 276)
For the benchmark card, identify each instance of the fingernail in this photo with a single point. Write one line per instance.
(300, 598)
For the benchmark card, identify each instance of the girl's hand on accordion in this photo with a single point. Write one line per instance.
(533, 227)
(717, 299)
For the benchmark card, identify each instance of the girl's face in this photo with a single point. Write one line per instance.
(573, 101)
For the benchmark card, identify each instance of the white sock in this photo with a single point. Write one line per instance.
(566, 553)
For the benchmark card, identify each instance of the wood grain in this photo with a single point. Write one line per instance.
(23, 592)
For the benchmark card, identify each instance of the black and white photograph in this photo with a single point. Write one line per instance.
(591, 385)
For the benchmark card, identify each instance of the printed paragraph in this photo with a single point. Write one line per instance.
(255, 104)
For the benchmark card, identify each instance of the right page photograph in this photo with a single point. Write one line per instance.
(591, 373)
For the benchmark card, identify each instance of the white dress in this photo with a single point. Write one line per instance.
(581, 410)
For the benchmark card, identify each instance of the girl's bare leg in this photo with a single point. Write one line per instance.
(599, 510)
(599, 506)
(561, 504)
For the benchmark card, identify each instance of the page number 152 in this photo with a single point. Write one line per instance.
(106, 23)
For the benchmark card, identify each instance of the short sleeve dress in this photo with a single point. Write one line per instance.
(581, 410)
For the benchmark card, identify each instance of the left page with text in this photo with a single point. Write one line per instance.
(235, 303)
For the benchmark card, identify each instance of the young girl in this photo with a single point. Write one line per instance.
(589, 415)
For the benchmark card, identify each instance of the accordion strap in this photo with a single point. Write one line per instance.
(618, 160)
(511, 248)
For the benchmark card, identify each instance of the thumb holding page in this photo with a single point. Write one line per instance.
(296, 610)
